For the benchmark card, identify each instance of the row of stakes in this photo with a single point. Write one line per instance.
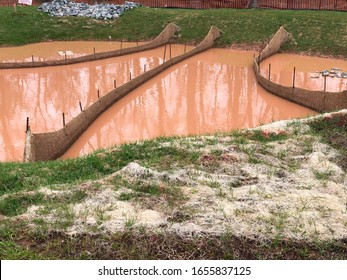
(114, 83)
(94, 52)
(294, 72)
(121, 47)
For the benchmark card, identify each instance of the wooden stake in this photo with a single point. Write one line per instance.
(81, 106)
(114, 83)
(32, 60)
(269, 71)
(294, 77)
(65, 58)
(325, 83)
(94, 52)
(164, 53)
(63, 119)
(98, 94)
(130, 75)
(170, 51)
(28, 125)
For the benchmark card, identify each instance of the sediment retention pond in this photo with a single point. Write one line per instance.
(212, 91)
(308, 72)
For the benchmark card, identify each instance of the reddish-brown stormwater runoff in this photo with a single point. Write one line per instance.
(210, 92)
(310, 72)
(57, 50)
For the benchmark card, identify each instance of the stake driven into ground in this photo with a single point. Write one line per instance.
(276, 192)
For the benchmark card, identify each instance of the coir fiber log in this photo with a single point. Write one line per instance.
(52, 145)
(163, 38)
(320, 101)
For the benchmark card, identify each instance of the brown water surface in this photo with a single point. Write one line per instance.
(210, 92)
(50, 50)
(306, 68)
(43, 94)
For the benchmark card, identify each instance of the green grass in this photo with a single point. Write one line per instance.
(143, 187)
(15, 177)
(19, 176)
(14, 205)
(314, 31)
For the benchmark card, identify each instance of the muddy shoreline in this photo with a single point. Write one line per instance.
(248, 47)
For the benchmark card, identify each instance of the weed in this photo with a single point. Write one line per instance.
(63, 217)
(221, 193)
(323, 175)
(293, 164)
(265, 149)
(214, 184)
(235, 184)
(124, 196)
(129, 222)
(282, 154)
(264, 137)
(307, 145)
(101, 216)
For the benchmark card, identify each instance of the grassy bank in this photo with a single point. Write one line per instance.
(65, 209)
(314, 31)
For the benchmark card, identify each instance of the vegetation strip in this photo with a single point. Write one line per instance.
(131, 245)
(315, 32)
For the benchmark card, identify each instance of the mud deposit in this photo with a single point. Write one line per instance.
(213, 91)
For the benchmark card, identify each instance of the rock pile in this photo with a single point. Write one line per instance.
(333, 72)
(59, 8)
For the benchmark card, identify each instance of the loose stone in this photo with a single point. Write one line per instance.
(60, 8)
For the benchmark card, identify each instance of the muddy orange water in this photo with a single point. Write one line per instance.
(212, 91)
(307, 71)
(56, 50)
(43, 94)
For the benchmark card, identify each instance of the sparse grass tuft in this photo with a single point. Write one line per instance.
(323, 175)
(333, 131)
(14, 205)
(264, 137)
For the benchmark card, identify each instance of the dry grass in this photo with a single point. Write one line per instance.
(279, 187)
